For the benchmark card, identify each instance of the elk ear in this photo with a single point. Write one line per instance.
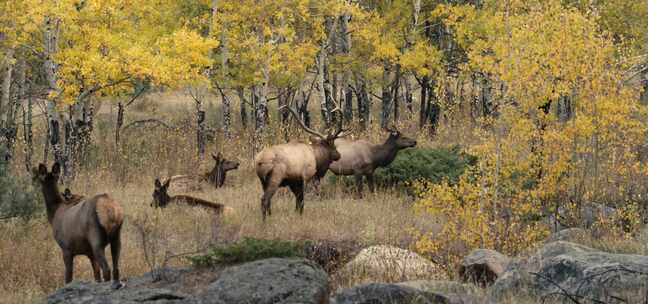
(56, 169)
(218, 156)
(314, 139)
(42, 170)
(158, 185)
(166, 184)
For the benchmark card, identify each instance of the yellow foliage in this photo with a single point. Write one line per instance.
(543, 56)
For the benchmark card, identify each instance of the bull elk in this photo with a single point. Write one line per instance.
(293, 164)
(83, 228)
(361, 158)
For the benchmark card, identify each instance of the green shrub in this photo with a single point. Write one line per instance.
(17, 196)
(432, 164)
(247, 250)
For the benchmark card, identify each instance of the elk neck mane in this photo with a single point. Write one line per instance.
(322, 159)
(384, 154)
(53, 200)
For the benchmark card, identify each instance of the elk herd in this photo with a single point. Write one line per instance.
(87, 225)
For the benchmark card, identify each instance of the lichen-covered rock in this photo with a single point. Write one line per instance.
(388, 264)
(270, 281)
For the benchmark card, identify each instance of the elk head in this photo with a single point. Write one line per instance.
(227, 165)
(47, 178)
(324, 143)
(217, 175)
(160, 196)
(398, 139)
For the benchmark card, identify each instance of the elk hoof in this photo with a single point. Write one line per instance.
(117, 285)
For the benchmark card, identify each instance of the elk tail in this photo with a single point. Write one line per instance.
(265, 174)
(109, 213)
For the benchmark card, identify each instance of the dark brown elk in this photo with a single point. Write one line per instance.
(360, 158)
(161, 199)
(84, 228)
(293, 164)
(216, 177)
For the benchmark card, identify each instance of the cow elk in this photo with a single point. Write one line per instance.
(293, 164)
(360, 158)
(83, 228)
(161, 199)
(215, 177)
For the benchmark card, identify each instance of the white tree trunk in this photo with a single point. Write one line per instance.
(5, 99)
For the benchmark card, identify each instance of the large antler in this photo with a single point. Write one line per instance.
(301, 123)
(340, 132)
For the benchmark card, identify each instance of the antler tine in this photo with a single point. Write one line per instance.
(337, 107)
(340, 132)
(301, 123)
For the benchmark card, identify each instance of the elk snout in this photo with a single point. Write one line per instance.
(335, 155)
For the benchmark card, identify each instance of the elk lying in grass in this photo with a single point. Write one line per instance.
(84, 228)
(161, 199)
(361, 158)
(216, 177)
(293, 164)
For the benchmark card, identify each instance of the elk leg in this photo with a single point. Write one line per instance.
(370, 182)
(265, 201)
(100, 256)
(115, 250)
(68, 260)
(95, 268)
(358, 180)
(297, 189)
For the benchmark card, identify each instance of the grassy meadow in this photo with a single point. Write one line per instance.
(30, 261)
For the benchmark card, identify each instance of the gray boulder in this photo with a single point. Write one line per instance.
(568, 268)
(383, 293)
(270, 281)
(482, 267)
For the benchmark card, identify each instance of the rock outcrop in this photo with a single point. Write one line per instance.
(561, 269)
(264, 281)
